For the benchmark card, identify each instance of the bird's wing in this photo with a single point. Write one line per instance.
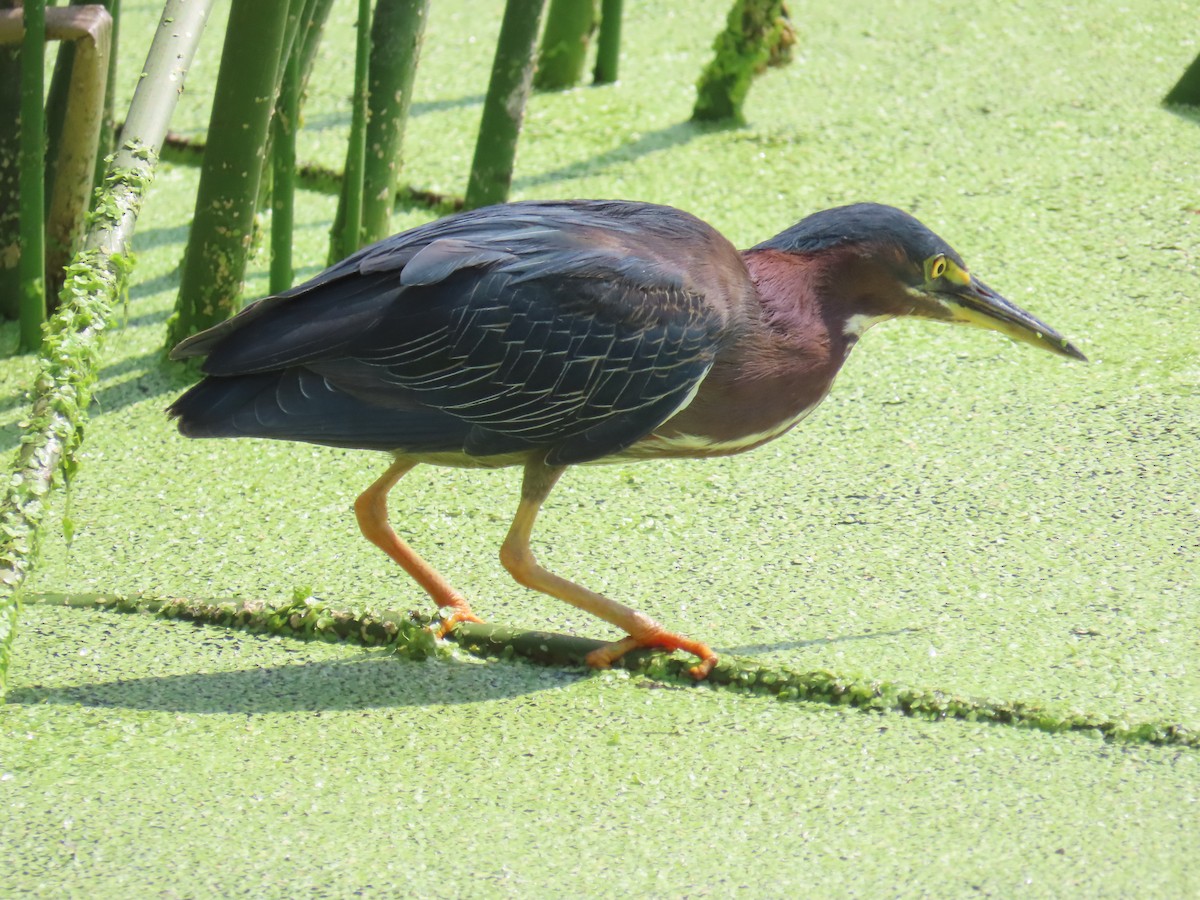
(535, 328)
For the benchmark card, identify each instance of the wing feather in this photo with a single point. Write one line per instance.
(576, 327)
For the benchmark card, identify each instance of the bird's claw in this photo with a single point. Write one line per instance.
(451, 615)
(603, 657)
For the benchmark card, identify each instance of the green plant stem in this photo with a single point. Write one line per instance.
(297, 19)
(504, 107)
(347, 223)
(395, 48)
(569, 26)
(10, 176)
(312, 28)
(608, 43)
(60, 90)
(33, 157)
(75, 116)
(223, 225)
(1186, 91)
(108, 124)
(283, 181)
(62, 388)
(758, 34)
(396, 33)
(310, 618)
(291, 31)
(302, 617)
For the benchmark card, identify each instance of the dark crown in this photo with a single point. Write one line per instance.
(860, 223)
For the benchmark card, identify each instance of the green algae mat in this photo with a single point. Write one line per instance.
(962, 518)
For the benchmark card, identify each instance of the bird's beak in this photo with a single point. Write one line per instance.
(977, 304)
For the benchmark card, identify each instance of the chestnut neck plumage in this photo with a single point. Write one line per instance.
(782, 362)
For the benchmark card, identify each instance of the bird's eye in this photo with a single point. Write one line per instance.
(937, 267)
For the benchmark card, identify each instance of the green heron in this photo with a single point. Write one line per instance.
(550, 334)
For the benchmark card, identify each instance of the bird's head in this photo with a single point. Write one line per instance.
(879, 262)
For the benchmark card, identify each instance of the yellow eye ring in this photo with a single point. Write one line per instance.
(937, 268)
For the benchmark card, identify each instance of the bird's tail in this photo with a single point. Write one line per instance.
(295, 404)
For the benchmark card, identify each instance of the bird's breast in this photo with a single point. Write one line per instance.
(684, 444)
(731, 414)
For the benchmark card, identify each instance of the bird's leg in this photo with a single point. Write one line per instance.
(520, 562)
(371, 510)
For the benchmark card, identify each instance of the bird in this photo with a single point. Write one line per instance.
(550, 334)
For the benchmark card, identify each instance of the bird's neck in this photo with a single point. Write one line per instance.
(778, 365)
(802, 305)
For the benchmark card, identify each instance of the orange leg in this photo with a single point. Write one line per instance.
(520, 562)
(371, 510)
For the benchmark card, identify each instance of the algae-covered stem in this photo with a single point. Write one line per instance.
(74, 128)
(504, 108)
(72, 125)
(1186, 91)
(569, 27)
(32, 266)
(62, 389)
(309, 618)
(608, 43)
(283, 178)
(346, 232)
(10, 175)
(214, 262)
(758, 34)
(64, 67)
(386, 65)
(312, 29)
(281, 147)
(108, 125)
(302, 37)
(396, 35)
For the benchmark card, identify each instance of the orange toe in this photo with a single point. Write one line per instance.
(453, 613)
(603, 657)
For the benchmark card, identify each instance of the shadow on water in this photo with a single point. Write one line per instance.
(374, 680)
(161, 236)
(1185, 111)
(644, 145)
(778, 646)
(167, 281)
(341, 119)
(155, 380)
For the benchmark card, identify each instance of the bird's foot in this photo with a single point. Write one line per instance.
(603, 657)
(450, 614)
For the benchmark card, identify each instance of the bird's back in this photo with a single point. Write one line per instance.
(573, 328)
